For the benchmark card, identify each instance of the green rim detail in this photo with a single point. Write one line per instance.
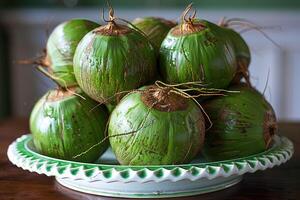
(20, 154)
(142, 173)
(107, 174)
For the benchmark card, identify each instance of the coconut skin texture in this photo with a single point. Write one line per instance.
(242, 53)
(156, 132)
(197, 51)
(155, 28)
(241, 49)
(64, 125)
(61, 47)
(112, 59)
(243, 124)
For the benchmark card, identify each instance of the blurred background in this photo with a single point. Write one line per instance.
(23, 35)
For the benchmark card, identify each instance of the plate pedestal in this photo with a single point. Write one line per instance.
(151, 189)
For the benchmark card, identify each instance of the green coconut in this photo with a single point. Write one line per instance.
(242, 53)
(156, 127)
(197, 51)
(155, 28)
(243, 124)
(112, 59)
(61, 47)
(64, 125)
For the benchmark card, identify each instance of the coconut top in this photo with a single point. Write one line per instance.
(188, 28)
(112, 29)
(189, 24)
(163, 99)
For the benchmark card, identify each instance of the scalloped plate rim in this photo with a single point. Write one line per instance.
(283, 145)
(29, 136)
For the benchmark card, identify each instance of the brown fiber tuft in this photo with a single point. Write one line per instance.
(163, 99)
(112, 29)
(187, 28)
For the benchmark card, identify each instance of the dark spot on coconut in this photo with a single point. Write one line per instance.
(210, 39)
(163, 100)
(269, 127)
(244, 127)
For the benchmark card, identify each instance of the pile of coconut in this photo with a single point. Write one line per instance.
(156, 91)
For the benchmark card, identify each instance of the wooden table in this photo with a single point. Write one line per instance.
(278, 183)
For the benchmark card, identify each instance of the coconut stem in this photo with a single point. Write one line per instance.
(186, 11)
(40, 60)
(50, 76)
(111, 13)
(188, 23)
(55, 80)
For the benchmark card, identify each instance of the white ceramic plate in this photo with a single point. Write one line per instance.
(107, 178)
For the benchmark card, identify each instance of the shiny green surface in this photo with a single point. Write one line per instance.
(61, 47)
(205, 56)
(156, 137)
(105, 65)
(67, 127)
(241, 49)
(242, 53)
(238, 124)
(155, 28)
